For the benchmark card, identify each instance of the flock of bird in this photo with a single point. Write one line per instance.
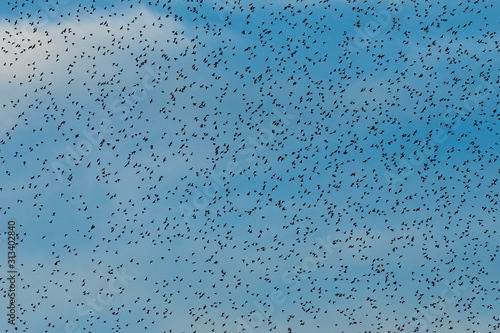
(231, 166)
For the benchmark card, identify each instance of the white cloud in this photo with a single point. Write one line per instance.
(82, 54)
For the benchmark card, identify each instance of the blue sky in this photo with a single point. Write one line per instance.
(214, 155)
